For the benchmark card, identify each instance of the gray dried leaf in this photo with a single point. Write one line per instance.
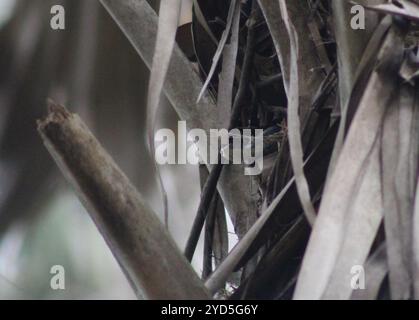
(376, 270)
(169, 15)
(225, 87)
(405, 8)
(201, 19)
(400, 129)
(234, 7)
(294, 130)
(352, 208)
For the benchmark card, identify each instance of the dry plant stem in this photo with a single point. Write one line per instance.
(209, 238)
(211, 184)
(207, 195)
(139, 23)
(145, 251)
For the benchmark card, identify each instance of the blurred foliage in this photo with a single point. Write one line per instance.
(91, 68)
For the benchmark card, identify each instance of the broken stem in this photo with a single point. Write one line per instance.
(145, 251)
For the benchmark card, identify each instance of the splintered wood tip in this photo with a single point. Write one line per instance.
(56, 109)
(56, 114)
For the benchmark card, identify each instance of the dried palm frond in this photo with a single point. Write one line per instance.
(339, 109)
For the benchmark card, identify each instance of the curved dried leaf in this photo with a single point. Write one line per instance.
(288, 202)
(225, 87)
(169, 16)
(351, 209)
(294, 130)
(399, 131)
(234, 8)
(363, 73)
(405, 8)
(201, 19)
(376, 270)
